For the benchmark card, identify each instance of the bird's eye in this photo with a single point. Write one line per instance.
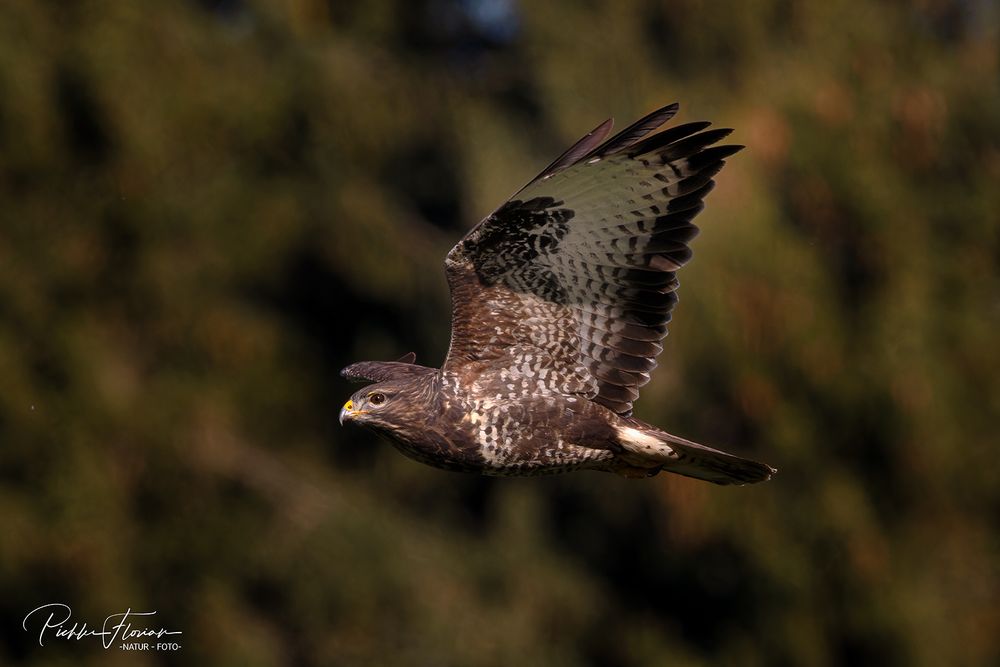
(376, 399)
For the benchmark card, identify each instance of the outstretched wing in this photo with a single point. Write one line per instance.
(568, 287)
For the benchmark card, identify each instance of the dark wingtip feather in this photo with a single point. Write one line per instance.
(636, 131)
(717, 153)
(666, 137)
(695, 143)
(585, 145)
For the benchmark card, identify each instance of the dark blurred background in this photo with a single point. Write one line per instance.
(207, 208)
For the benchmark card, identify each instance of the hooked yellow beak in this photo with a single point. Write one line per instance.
(346, 411)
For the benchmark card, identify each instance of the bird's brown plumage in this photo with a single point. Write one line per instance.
(561, 299)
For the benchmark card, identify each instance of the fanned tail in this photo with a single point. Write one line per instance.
(683, 457)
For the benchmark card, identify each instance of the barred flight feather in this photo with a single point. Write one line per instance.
(596, 239)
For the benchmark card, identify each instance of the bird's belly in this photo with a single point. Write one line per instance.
(529, 438)
(534, 455)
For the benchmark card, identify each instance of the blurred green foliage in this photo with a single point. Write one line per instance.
(207, 208)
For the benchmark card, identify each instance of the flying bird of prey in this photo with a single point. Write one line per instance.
(560, 299)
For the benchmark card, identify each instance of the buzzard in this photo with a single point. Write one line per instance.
(560, 299)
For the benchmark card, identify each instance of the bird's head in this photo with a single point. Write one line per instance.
(395, 398)
(374, 404)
